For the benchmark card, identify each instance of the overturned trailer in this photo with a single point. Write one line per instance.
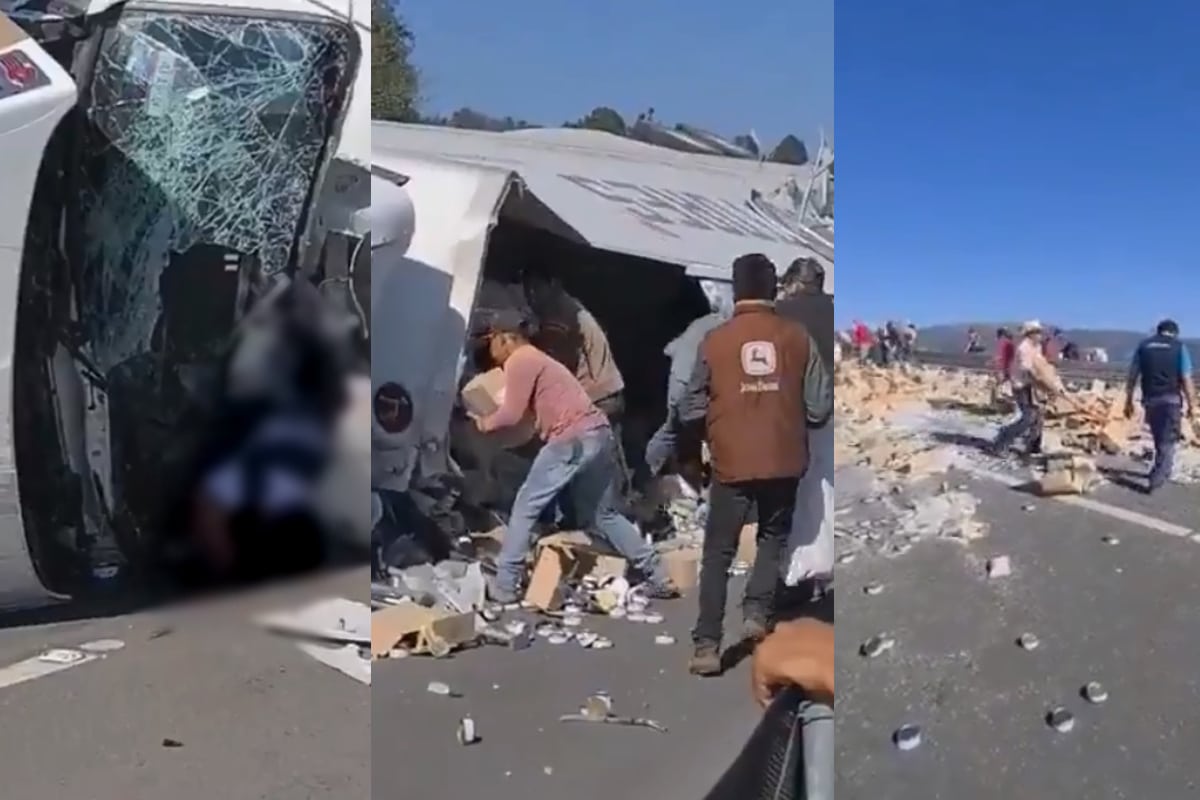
(629, 228)
(166, 166)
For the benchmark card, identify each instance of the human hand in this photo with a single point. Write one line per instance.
(797, 653)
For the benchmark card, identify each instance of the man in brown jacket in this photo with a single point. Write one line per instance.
(759, 384)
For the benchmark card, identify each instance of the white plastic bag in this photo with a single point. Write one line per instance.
(811, 540)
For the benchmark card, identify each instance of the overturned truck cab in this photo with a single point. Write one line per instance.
(166, 165)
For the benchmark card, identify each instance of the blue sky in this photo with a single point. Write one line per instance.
(727, 67)
(1001, 161)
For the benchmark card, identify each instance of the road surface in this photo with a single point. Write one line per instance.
(1124, 614)
(247, 715)
(515, 699)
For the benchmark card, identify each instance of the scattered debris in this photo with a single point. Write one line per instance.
(664, 639)
(467, 734)
(1093, 692)
(907, 737)
(1071, 474)
(1109, 539)
(1027, 641)
(1060, 719)
(441, 689)
(877, 646)
(172, 743)
(63, 656)
(999, 567)
(102, 646)
(592, 714)
(873, 589)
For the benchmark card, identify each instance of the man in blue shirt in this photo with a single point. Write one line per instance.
(1162, 366)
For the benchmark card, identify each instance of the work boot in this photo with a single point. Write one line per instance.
(706, 660)
(661, 590)
(501, 594)
(755, 628)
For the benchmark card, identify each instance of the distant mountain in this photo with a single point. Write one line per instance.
(1119, 344)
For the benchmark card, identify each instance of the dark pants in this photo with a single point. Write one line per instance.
(1164, 418)
(613, 407)
(1029, 424)
(730, 506)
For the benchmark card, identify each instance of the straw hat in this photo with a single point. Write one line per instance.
(1032, 326)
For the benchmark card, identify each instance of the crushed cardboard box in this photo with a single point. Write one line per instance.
(566, 558)
(419, 630)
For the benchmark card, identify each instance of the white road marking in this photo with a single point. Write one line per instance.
(34, 668)
(1109, 510)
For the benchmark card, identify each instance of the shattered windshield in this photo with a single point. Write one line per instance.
(204, 134)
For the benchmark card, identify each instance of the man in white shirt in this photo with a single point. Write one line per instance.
(1032, 380)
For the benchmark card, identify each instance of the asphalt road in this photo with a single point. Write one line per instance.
(252, 717)
(1126, 615)
(515, 699)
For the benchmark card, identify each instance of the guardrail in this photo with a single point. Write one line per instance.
(985, 362)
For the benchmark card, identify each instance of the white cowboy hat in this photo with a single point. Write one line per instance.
(1032, 326)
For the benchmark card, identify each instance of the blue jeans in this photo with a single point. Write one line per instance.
(1029, 424)
(585, 469)
(1164, 418)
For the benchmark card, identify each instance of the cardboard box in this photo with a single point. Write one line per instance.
(682, 565)
(568, 557)
(483, 395)
(419, 629)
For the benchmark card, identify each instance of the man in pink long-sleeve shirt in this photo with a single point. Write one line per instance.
(579, 457)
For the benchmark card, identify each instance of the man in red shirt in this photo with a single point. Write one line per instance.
(1006, 351)
(862, 339)
(578, 459)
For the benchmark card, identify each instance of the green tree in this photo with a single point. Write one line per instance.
(602, 118)
(394, 79)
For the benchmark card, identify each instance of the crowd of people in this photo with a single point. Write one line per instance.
(750, 383)
(1160, 370)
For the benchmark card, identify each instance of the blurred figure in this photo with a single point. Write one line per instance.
(252, 509)
(810, 543)
(1162, 367)
(682, 351)
(909, 335)
(861, 336)
(973, 343)
(1052, 345)
(1006, 353)
(758, 384)
(569, 333)
(883, 347)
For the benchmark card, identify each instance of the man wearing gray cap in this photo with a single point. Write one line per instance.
(579, 458)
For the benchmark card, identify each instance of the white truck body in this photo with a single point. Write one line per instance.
(697, 212)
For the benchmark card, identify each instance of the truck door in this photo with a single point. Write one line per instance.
(35, 94)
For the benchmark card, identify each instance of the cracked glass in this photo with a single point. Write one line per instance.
(203, 132)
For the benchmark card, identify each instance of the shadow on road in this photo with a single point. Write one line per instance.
(140, 598)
